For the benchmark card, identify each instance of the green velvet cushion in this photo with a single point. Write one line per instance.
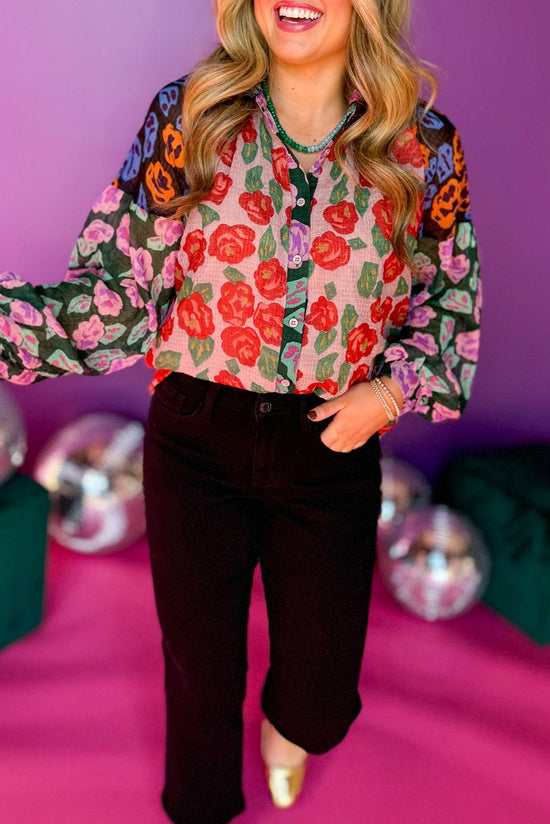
(506, 494)
(24, 506)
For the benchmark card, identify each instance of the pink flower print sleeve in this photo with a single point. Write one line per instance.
(433, 355)
(107, 311)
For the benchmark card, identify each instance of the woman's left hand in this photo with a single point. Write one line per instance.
(358, 414)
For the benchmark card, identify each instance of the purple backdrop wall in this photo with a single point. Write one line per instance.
(76, 81)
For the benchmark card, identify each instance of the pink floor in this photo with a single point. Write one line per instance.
(455, 726)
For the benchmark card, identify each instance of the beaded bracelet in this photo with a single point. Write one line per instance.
(382, 400)
(390, 395)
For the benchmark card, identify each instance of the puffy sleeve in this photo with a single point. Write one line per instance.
(433, 356)
(106, 312)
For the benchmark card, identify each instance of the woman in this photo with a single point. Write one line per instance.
(289, 245)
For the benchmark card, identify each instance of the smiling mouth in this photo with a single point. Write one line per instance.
(297, 14)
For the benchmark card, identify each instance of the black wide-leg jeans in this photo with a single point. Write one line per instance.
(233, 478)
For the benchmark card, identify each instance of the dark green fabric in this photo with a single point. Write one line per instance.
(506, 494)
(24, 507)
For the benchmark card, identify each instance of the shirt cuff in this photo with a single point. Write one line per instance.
(404, 372)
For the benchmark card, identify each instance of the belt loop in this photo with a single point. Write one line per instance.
(210, 398)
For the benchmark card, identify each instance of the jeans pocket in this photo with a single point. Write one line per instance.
(371, 447)
(316, 429)
(180, 397)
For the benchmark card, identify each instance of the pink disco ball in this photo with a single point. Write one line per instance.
(93, 470)
(435, 563)
(13, 436)
(403, 488)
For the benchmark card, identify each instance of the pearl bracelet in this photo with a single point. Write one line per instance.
(382, 400)
(390, 395)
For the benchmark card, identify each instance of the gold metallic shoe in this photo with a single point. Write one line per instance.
(285, 783)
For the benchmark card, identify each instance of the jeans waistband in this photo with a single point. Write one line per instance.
(236, 398)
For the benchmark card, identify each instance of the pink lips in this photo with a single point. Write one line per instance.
(298, 25)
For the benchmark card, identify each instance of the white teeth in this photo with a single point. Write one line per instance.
(299, 14)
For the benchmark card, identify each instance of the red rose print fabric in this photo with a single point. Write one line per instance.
(231, 244)
(236, 304)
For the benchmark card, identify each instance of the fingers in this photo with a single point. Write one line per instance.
(326, 409)
(338, 443)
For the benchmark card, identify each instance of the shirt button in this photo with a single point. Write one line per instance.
(285, 382)
(297, 259)
(301, 201)
(293, 322)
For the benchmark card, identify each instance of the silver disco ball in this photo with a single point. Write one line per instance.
(93, 470)
(435, 563)
(13, 436)
(403, 488)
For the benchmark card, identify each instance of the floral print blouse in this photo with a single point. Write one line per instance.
(280, 281)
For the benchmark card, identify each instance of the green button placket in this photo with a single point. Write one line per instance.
(296, 297)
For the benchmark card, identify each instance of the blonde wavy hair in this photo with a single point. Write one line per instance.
(380, 64)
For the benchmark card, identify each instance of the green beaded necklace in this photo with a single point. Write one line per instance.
(292, 143)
